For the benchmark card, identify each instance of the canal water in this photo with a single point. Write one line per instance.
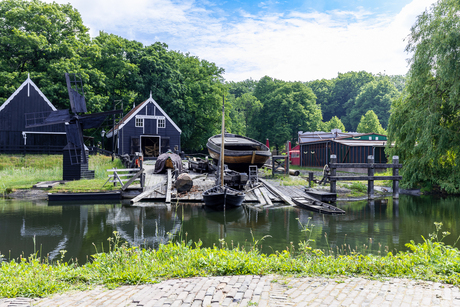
(81, 229)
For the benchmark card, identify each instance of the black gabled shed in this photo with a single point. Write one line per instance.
(147, 129)
(14, 137)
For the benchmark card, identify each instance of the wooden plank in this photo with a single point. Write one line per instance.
(119, 179)
(277, 192)
(139, 173)
(123, 169)
(168, 186)
(364, 178)
(121, 175)
(364, 165)
(123, 180)
(147, 192)
(259, 196)
(266, 196)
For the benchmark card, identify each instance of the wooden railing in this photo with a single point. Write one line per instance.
(371, 166)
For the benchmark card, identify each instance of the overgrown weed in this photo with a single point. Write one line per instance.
(123, 264)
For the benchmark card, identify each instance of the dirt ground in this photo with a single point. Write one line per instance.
(28, 194)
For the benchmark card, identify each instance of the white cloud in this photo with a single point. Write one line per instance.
(288, 46)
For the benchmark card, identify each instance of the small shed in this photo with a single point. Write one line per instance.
(146, 129)
(352, 148)
(14, 137)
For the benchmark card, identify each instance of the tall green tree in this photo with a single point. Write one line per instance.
(334, 123)
(377, 96)
(240, 88)
(291, 108)
(424, 123)
(198, 108)
(322, 90)
(346, 88)
(244, 113)
(370, 123)
(45, 40)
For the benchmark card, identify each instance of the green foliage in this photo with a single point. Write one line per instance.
(288, 107)
(377, 96)
(199, 110)
(322, 90)
(244, 114)
(424, 121)
(346, 88)
(23, 172)
(334, 123)
(122, 264)
(49, 39)
(370, 124)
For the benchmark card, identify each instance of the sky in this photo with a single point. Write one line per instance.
(287, 40)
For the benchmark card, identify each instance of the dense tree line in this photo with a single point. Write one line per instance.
(425, 120)
(420, 111)
(352, 94)
(46, 40)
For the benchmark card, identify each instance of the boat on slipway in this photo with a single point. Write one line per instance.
(221, 196)
(239, 151)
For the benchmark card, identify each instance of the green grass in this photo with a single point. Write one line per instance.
(18, 172)
(290, 180)
(431, 260)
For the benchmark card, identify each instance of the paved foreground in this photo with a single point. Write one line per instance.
(259, 291)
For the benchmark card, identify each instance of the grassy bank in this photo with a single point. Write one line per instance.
(122, 264)
(22, 172)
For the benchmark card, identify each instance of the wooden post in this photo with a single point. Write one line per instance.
(273, 166)
(286, 162)
(310, 178)
(370, 183)
(395, 182)
(333, 173)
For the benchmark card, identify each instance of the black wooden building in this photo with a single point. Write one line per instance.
(348, 149)
(147, 129)
(14, 137)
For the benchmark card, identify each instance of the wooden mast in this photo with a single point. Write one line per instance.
(222, 144)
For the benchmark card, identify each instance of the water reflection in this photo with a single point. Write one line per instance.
(374, 226)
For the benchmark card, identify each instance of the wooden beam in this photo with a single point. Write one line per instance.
(260, 197)
(266, 196)
(119, 179)
(365, 178)
(147, 192)
(277, 192)
(168, 186)
(139, 173)
(364, 165)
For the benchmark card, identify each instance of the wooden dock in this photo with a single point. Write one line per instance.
(263, 194)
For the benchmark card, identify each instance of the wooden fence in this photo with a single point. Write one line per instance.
(371, 166)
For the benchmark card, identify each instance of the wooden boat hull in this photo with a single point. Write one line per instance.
(316, 206)
(223, 198)
(239, 154)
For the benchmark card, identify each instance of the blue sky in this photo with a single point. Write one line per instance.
(288, 40)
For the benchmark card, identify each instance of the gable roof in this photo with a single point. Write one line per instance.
(29, 83)
(131, 114)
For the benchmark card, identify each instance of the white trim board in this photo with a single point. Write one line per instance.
(150, 100)
(27, 82)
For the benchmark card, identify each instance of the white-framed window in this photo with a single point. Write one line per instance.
(162, 123)
(139, 122)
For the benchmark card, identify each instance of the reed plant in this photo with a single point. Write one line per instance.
(123, 264)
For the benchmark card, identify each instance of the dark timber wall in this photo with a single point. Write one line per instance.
(28, 99)
(130, 136)
(317, 154)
